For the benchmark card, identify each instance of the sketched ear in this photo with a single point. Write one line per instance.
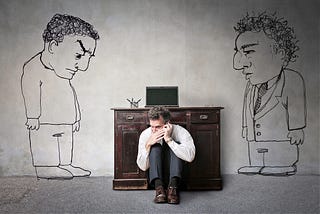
(282, 56)
(52, 45)
(278, 51)
(282, 52)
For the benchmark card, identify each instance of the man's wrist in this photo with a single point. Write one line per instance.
(147, 146)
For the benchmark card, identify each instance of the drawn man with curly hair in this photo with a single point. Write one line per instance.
(51, 104)
(274, 107)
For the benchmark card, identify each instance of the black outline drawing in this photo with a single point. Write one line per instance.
(51, 105)
(273, 128)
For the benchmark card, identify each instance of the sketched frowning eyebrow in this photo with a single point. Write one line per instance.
(83, 48)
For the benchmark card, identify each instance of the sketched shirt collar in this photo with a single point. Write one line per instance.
(273, 81)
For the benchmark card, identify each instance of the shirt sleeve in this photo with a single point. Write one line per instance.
(143, 154)
(182, 144)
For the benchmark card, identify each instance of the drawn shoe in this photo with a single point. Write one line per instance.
(50, 172)
(250, 170)
(173, 195)
(279, 170)
(161, 196)
(76, 171)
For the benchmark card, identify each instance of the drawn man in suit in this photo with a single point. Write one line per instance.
(51, 104)
(274, 107)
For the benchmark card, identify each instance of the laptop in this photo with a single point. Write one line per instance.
(162, 96)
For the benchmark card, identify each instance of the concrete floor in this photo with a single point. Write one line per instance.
(241, 194)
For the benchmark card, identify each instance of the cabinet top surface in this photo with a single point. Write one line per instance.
(170, 108)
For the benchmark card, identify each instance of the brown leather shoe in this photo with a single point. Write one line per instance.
(173, 195)
(161, 196)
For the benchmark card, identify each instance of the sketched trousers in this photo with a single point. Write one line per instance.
(273, 153)
(51, 145)
(164, 164)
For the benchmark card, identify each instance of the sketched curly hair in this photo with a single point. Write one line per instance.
(62, 25)
(274, 28)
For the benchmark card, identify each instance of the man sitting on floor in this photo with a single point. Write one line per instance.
(162, 143)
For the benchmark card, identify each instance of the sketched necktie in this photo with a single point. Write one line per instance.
(261, 91)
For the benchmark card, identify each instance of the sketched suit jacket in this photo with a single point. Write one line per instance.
(284, 109)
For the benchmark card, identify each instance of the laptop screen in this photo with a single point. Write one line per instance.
(162, 95)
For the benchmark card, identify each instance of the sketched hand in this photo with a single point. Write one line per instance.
(33, 123)
(76, 126)
(296, 137)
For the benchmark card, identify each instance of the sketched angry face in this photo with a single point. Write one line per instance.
(256, 58)
(71, 55)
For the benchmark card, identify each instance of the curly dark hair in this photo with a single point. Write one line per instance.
(274, 28)
(62, 25)
(159, 111)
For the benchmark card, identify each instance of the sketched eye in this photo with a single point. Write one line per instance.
(78, 56)
(248, 52)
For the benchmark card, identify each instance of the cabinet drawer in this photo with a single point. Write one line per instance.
(178, 117)
(204, 117)
(130, 117)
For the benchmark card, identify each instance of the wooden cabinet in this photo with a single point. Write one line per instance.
(203, 123)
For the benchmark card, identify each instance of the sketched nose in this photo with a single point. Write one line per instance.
(83, 64)
(237, 61)
(240, 62)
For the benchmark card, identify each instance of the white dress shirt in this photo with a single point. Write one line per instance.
(182, 145)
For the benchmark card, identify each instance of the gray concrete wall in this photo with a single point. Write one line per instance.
(187, 43)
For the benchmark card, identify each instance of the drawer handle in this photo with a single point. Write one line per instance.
(130, 117)
(204, 117)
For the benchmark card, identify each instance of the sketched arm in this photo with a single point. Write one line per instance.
(76, 125)
(31, 91)
(296, 109)
(244, 133)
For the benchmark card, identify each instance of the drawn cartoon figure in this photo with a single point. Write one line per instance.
(51, 104)
(274, 106)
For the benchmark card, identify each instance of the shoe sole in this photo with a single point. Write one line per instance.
(173, 202)
(160, 202)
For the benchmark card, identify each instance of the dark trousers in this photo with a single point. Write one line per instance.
(164, 164)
